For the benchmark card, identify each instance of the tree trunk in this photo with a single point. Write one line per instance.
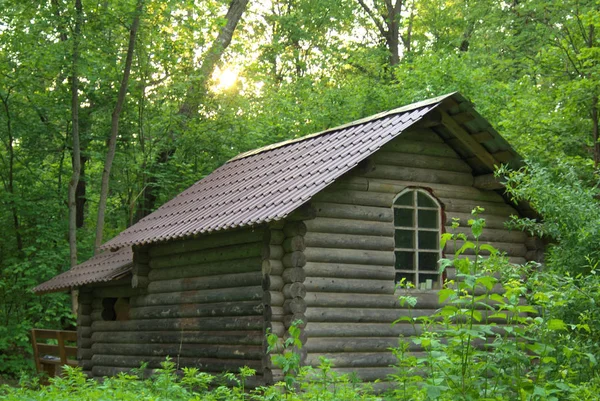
(193, 98)
(75, 133)
(114, 128)
(10, 185)
(76, 147)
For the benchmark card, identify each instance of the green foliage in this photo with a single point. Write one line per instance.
(486, 345)
(570, 212)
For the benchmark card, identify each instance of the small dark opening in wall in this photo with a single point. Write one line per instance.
(115, 309)
(108, 309)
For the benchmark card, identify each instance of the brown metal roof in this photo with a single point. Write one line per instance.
(270, 183)
(103, 267)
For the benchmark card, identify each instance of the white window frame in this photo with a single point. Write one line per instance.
(416, 271)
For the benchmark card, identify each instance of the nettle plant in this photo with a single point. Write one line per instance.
(483, 342)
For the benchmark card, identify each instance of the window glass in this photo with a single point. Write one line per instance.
(417, 238)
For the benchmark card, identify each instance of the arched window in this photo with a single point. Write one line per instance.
(417, 223)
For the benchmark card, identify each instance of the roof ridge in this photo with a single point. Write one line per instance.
(360, 121)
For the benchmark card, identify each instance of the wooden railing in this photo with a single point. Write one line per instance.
(52, 349)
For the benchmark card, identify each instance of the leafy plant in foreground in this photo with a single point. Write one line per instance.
(483, 343)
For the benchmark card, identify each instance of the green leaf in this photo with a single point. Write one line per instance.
(556, 324)
(487, 281)
(444, 294)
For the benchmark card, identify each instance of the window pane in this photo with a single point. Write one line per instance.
(428, 260)
(404, 238)
(405, 200)
(424, 200)
(428, 240)
(409, 277)
(403, 217)
(405, 260)
(428, 219)
(428, 281)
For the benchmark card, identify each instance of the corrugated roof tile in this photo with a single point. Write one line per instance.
(255, 187)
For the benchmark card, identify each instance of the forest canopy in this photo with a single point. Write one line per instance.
(110, 108)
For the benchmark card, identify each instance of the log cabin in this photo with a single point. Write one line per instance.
(318, 229)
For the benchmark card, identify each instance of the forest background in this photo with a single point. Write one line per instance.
(110, 108)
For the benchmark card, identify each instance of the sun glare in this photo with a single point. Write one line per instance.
(225, 79)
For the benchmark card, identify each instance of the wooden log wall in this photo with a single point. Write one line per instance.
(84, 330)
(198, 301)
(350, 298)
(284, 286)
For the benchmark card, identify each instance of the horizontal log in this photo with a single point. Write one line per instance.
(304, 212)
(206, 283)
(357, 344)
(487, 181)
(272, 283)
(349, 197)
(294, 290)
(84, 343)
(85, 308)
(294, 259)
(217, 240)
(140, 282)
(419, 148)
(274, 267)
(241, 337)
(344, 270)
(207, 269)
(353, 256)
(420, 161)
(295, 305)
(84, 320)
(354, 212)
(346, 226)
(274, 298)
(533, 243)
(272, 252)
(248, 250)
(277, 328)
(274, 313)
(86, 365)
(84, 332)
(439, 190)
(421, 176)
(362, 315)
(496, 222)
(201, 296)
(349, 241)
(203, 364)
(202, 323)
(294, 275)
(84, 354)
(466, 206)
(274, 236)
(420, 133)
(237, 308)
(295, 318)
(495, 235)
(347, 285)
(114, 292)
(225, 351)
(295, 243)
(510, 248)
(319, 329)
(294, 228)
(345, 300)
(515, 260)
(353, 359)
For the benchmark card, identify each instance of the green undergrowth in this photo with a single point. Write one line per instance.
(188, 384)
(535, 339)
